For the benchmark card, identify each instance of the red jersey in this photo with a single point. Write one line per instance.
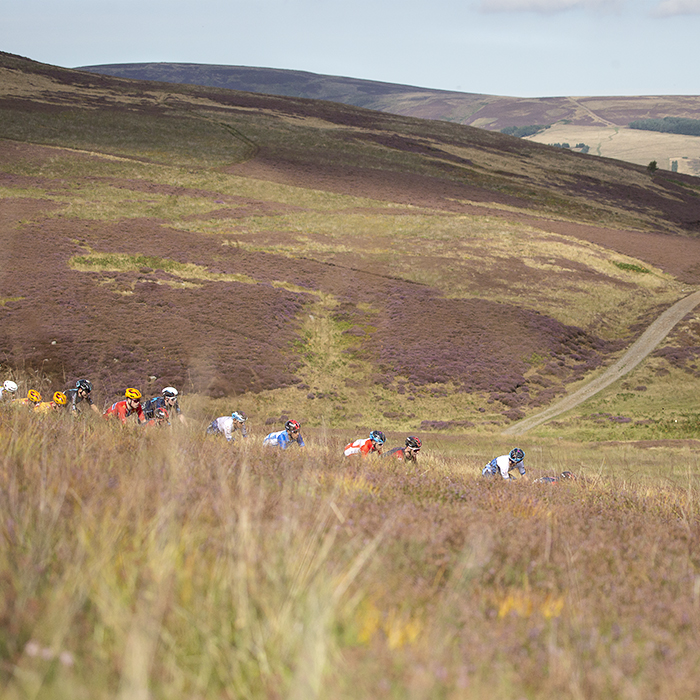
(361, 447)
(122, 411)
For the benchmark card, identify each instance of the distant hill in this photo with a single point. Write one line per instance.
(595, 122)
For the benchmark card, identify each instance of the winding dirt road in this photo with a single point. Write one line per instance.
(651, 337)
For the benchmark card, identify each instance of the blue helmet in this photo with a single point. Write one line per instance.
(516, 455)
(377, 436)
(239, 416)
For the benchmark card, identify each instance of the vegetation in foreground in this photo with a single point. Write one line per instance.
(163, 564)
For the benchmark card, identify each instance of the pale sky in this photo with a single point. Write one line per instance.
(522, 48)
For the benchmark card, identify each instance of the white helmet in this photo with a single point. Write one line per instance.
(9, 385)
(170, 392)
(239, 416)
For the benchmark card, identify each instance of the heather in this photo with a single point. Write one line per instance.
(164, 564)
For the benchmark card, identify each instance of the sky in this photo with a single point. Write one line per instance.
(520, 48)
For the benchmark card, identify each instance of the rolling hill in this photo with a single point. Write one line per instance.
(349, 265)
(599, 124)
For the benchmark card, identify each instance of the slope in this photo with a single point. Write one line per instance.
(598, 125)
(229, 242)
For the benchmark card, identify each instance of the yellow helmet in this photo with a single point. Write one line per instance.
(132, 394)
(60, 398)
(34, 396)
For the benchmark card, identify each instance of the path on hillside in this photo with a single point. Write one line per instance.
(651, 337)
(591, 113)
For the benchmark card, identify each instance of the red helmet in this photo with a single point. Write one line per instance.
(414, 442)
(292, 426)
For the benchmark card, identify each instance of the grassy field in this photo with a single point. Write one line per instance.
(165, 564)
(352, 271)
(631, 145)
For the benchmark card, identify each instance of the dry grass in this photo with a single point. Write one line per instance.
(632, 145)
(164, 564)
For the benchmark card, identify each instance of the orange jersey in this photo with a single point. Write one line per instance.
(46, 407)
(122, 411)
(362, 447)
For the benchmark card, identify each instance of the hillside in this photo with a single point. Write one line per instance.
(349, 265)
(600, 123)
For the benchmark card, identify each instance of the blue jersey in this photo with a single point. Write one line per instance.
(281, 439)
(149, 408)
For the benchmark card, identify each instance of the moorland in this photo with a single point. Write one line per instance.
(352, 269)
(599, 125)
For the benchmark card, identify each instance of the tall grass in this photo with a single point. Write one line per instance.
(161, 563)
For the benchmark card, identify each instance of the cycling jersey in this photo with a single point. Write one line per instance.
(160, 422)
(502, 465)
(400, 453)
(122, 411)
(149, 408)
(282, 439)
(226, 426)
(74, 399)
(361, 446)
(46, 407)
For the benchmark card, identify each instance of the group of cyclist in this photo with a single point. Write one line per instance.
(226, 426)
(158, 410)
(154, 411)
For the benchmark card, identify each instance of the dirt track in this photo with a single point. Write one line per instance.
(653, 335)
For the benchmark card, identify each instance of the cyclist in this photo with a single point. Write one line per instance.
(409, 452)
(8, 390)
(228, 425)
(33, 399)
(283, 438)
(168, 400)
(160, 418)
(505, 463)
(366, 446)
(130, 404)
(58, 400)
(553, 479)
(79, 393)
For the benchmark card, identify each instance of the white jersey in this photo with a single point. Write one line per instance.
(503, 465)
(226, 426)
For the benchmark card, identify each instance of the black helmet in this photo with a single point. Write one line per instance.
(84, 384)
(414, 442)
(516, 455)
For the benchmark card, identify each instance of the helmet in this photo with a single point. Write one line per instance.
(34, 396)
(516, 455)
(239, 416)
(60, 398)
(161, 414)
(413, 442)
(377, 436)
(170, 392)
(291, 425)
(9, 385)
(84, 384)
(132, 394)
